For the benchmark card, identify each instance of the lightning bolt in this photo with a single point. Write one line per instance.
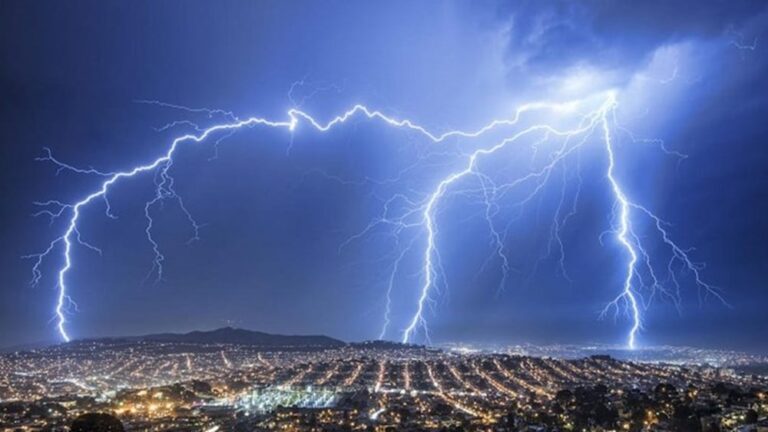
(401, 212)
(622, 233)
(431, 255)
(738, 40)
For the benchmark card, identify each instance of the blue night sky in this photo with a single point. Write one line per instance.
(279, 211)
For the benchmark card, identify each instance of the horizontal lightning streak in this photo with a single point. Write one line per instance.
(419, 213)
(294, 116)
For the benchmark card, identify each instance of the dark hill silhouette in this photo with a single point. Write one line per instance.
(229, 335)
(226, 335)
(203, 341)
(96, 422)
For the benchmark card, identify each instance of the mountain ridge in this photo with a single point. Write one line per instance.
(228, 335)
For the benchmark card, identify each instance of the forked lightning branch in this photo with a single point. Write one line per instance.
(595, 125)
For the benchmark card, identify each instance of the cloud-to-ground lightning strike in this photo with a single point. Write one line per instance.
(627, 292)
(420, 214)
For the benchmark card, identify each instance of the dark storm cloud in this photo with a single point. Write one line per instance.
(614, 35)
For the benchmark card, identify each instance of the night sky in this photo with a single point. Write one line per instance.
(276, 208)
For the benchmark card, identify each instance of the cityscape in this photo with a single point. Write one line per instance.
(383, 215)
(150, 384)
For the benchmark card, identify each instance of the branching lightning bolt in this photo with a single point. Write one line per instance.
(630, 241)
(403, 212)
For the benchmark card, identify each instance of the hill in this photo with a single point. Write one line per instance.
(233, 336)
